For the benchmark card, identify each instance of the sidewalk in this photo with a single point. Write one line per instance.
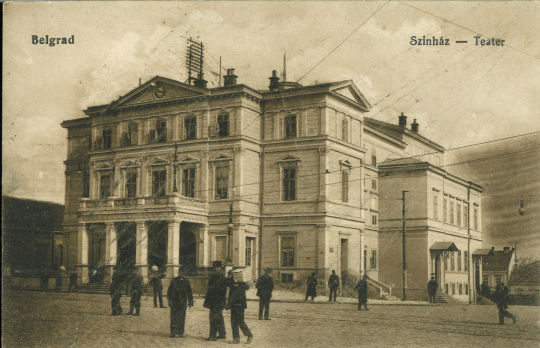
(287, 296)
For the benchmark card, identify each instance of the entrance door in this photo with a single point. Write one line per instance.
(188, 247)
(127, 245)
(157, 243)
(344, 260)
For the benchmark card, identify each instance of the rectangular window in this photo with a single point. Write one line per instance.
(290, 126)
(104, 186)
(466, 261)
(459, 261)
(458, 214)
(460, 288)
(466, 289)
(373, 219)
(190, 127)
(373, 259)
(452, 262)
(374, 184)
(287, 251)
(446, 288)
(223, 125)
(222, 182)
(475, 218)
(131, 185)
(345, 185)
(466, 215)
(345, 130)
(159, 182)
(286, 278)
(373, 160)
(106, 138)
(221, 248)
(451, 212)
(249, 248)
(188, 182)
(435, 207)
(485, 279)
(444, 209)
(498, 279)
(133, 132)
(161, 131)
(86, 185)
(453, 288)
(289, 184)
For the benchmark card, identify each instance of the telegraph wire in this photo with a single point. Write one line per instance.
(343, 41)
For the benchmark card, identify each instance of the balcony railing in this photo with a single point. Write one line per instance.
(148, 201)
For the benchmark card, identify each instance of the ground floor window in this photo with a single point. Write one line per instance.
(249, 250)
(453, 286)
(460, 289)
(286, 278)
(220, 248)
(287, 251)
(446, 288)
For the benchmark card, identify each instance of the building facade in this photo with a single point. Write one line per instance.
(174, 174)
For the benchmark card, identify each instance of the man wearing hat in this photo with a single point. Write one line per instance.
(362, 288)
(215, 300)
(180, 297)
(136, 293)
(157, 286)
(265, 285)
(432, 287)
(237, 304)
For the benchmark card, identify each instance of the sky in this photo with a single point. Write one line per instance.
(460, 94)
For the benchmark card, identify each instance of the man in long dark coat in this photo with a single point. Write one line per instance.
(180, 297)
(362, 288)
(157, 287)
(501, 299)
(237, 304)
(215, 300)
(265, 286)
(432, 287)
(311, 287)
(116, 293)
(333, 285)
(136, 288)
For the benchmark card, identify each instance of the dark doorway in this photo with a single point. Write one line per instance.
(157, 243)
(188, 247)
(126, 245)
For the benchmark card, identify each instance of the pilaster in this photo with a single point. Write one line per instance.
(111, 248)
(204, 250)
(173, 248)
(82, 262)
(141, 260)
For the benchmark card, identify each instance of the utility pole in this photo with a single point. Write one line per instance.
(403, 248)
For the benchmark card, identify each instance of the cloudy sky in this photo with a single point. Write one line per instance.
(460, 94)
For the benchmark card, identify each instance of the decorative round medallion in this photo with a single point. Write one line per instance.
(159, 92)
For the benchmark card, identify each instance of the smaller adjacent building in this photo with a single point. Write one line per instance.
(525, 280)
(497, 266)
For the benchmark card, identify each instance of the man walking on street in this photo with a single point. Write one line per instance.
(311, 287)
(237, 304)
(72, 280)
(180, 297)
(362, 288)
(501, 299)
(157, 286)
(116, 293)
(136, 293)
(265, 286)
(432, 287)
(215, 300)
(333, 284)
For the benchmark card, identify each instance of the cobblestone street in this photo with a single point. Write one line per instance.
(39, 319)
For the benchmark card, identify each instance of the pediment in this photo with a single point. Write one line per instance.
(129, 164)
(289, 159)
(104, 166)
(159, 162)
(349, 91)
(189, 160)
(345, 163)
(222, 157)
(159, 89)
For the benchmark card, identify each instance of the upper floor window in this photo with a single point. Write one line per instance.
(444, 209)
(190, 127)
(435, 207)
(289, 184)
(373, 159)
(222, 182)
(290, 126)
(459, 260)
(106, 138)
(451, 212)
(373, 219)
(466, 215)
(458, 214)
(373, 259)
(159, 182)
(374, 184)
(188, 182)
(104, 186)
(131, 185)
(86, 184)
(223, 125)
(287, 251)
(452, 262)
(345, 129)
(475, 218)
(345, 185)
(161, 131)
(466, 261)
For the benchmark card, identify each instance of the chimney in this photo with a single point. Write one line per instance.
(414, 126)
(274, 81)
(200, 82)
(402, 120)
(230, 78)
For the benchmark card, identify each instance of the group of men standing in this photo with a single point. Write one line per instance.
(132, 279)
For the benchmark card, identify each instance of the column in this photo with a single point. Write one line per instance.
(204, 259)
(141, 258)
(173, 248)
(82, 262)
(111, 249)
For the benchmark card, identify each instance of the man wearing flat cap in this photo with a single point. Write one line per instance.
(265, 285)
(180, 297)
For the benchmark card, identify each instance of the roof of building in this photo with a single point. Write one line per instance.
(497, 259)
(19, 214)
(443, 246)
(526, 275)
(399, 132)
(482, 252)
